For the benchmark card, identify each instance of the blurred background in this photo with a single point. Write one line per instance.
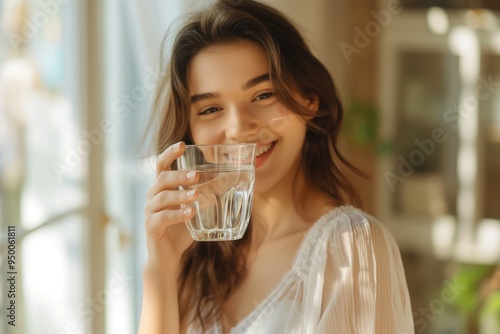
(421, 85)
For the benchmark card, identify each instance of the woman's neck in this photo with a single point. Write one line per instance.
(277, 213)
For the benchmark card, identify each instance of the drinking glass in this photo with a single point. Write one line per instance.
(225, 187)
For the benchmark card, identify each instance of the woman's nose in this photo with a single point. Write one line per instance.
(241, 125)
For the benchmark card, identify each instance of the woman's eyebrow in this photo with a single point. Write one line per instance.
(249, 84)
(255, 81)
(204, 96)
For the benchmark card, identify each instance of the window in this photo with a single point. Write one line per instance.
(76, 83)
(42, 165)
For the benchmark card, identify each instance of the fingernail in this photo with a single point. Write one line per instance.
(190, 193)
(176, 146)
(187, 212)
(190, 175)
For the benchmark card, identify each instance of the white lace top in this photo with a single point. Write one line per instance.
(347, 277)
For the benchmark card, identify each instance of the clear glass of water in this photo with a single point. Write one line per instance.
(225, 187)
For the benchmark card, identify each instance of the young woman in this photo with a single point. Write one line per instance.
(309, 262)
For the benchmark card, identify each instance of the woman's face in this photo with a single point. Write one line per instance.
(233, 101)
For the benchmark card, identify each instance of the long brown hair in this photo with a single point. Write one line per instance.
(211, 271)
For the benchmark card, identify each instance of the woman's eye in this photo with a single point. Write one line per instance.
(264, 96)
(208, 111)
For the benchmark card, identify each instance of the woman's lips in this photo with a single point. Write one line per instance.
(263, 152)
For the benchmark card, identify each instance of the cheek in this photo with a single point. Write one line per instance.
(204, 133)
(274, 119)
(285, 121)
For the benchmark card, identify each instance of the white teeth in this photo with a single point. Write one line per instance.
(263, 149)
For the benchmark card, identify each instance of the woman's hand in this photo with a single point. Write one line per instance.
(167, 236)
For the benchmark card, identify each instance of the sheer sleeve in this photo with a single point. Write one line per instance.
(364, 285)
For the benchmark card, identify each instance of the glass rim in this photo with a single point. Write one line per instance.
(214, 145)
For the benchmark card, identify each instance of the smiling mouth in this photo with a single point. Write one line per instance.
(263, 153)
(245, 159)
(264, 149)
